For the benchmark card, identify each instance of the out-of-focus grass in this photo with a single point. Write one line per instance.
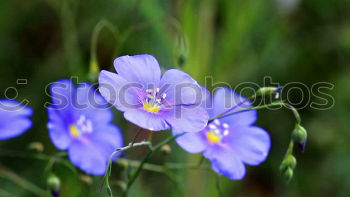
(233, 41)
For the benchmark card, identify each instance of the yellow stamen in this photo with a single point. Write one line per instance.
(213, 137)
(151, 107)
(74, 131)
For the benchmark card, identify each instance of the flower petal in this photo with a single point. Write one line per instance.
(91, 153)
(180, 88)
(87, 157)
(225, 162)
(14, 119)
(93, 105)
(192, 142)
(118, 92)
(109, 134)
(251, 144)
(146, 120)
(186, 118)
(143, 69)
(58, 128)
(227, 101)
(14, 108)
(206, 102)
(62, 94)
(13, 127)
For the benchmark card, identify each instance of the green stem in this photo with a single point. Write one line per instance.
(38, 156)
(295, 112)
(274, 104)
(94, 69)
(110, 161)
(25, 184)
(4, 193)
(70, 36)
(147, 157)
(290, 148)
(218, 186)
(159, 168)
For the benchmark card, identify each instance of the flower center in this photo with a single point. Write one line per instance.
(213, 137)
(74, 131)
(151, 107)
(153, 101)
(216, 131)
(82, 126)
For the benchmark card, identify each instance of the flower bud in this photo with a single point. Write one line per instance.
(288, 162)
(181, 50)
(94, 69)
(288, 174)
(36, 146)
(86, 179)
(54, 184)
(166, 149)
(269, 90)
(181, 60)
(299, 136)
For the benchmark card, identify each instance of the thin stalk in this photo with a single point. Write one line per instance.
(274, 104)
(70, 36)
(218, 186)
(110, 161)
(295, 112)
(147, 157)
(25, 184)
(290, 148)
(104, 23)
(160, 168)
(38, 156)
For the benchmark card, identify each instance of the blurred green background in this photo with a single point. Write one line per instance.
(233, 41)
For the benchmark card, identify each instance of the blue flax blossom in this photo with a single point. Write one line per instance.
(80, 122)
(14, 119)
(153, 101)
(228, 142)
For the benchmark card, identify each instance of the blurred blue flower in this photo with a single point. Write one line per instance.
(14, 119)
(152, 101)
(80, 122)
(228, 142)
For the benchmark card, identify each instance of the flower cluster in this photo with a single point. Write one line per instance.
(80, 120)
(175, 101)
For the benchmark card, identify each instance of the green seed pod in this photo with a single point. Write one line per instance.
(288, 174)
(288, 162)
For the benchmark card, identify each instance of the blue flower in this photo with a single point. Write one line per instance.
(80, 122)
(150, 100)
(14, 119)
(228, 142)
